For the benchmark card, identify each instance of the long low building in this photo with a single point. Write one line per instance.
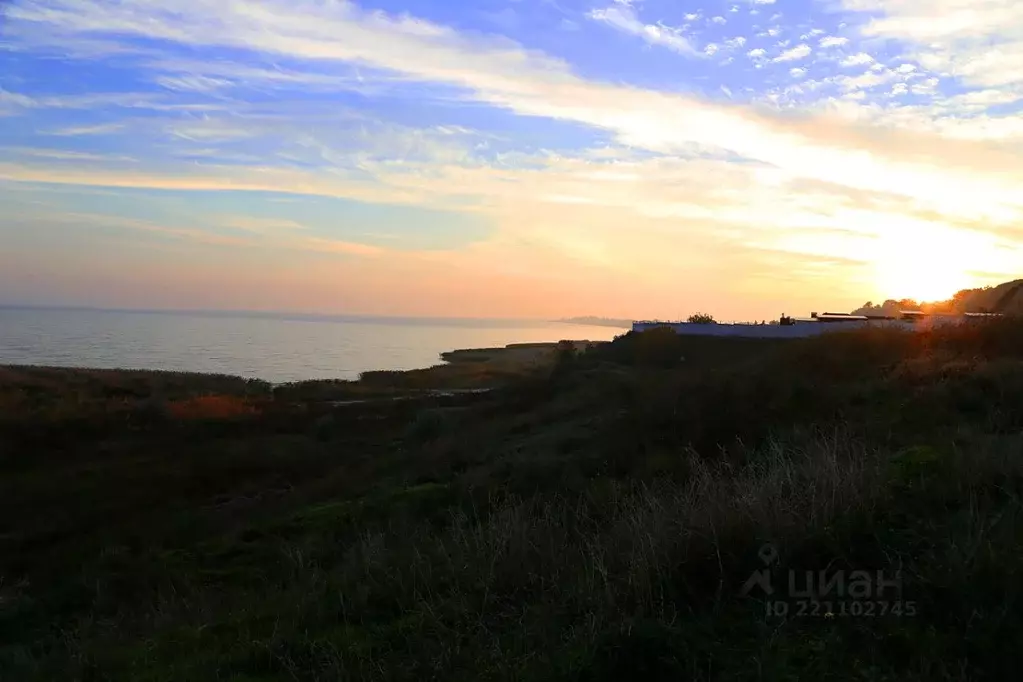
(795, 328)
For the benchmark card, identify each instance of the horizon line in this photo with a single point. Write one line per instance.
(280, 313)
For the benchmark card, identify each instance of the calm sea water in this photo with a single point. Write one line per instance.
(276, 348)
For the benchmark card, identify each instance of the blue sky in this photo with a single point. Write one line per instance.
(508, 157)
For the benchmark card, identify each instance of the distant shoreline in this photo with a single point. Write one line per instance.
(448, 373)
(598, 322)
(326, 317)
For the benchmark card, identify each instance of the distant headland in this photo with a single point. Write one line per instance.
(598, 321)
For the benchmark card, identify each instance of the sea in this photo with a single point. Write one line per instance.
(275, 347)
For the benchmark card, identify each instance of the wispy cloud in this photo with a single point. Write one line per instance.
(794, 54)
(341, 247)
(76, 131)
(93, 221)
(262, 233)
(64, 155)
(260, 225)
(12, 100)
(623, 17)
(832, 41)
(209, 130)
(981, 43)
(193, 83)
(858, 59)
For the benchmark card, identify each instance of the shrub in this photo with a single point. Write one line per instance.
(430, 424)
(660, 347)
(210, 407)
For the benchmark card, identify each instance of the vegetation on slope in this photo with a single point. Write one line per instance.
(592, 521)
(1006, 298)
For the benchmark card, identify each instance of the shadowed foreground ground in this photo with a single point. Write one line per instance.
(592, 518)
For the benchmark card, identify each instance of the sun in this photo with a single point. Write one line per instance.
(926, 274)
(922, 282)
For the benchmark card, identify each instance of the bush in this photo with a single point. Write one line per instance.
(210, 407)
(431, 423)
(660, 347)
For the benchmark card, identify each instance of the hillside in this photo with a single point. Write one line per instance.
(592, 518)
(1006, 298)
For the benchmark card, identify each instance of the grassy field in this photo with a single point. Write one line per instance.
(593, 517)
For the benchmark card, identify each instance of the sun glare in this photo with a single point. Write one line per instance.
(932, 270)
(921, 281)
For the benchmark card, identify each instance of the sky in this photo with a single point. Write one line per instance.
(509, 158)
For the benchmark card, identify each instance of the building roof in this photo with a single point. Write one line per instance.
(840, 317)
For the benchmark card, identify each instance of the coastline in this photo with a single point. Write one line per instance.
(278, 349)
(460, 372)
